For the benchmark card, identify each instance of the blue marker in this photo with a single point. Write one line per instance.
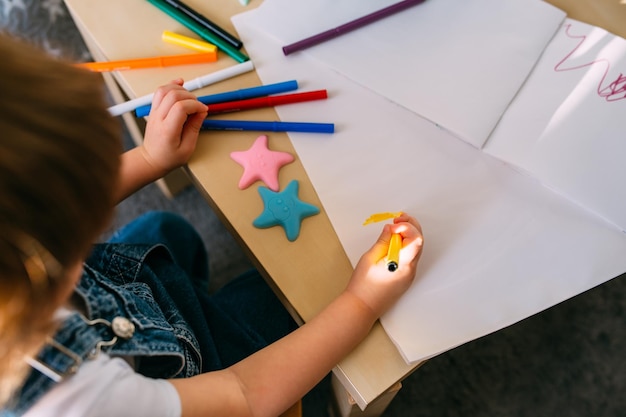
(211, 124)
(243, 94)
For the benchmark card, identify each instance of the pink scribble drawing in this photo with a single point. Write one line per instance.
(614, 90)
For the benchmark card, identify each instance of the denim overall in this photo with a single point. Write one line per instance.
(145, 297)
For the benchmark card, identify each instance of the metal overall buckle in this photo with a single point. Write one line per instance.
(120, 326)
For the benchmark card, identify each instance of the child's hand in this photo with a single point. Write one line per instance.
(173, 126)
(371, 280)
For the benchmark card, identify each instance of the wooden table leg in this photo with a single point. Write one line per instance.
(345, 406)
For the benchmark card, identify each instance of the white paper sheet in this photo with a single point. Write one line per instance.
(458, 63)
(499, 246)
(567, 127)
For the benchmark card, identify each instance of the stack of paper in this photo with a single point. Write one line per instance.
(423, 101)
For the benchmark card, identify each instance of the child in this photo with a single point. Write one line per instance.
(130, 330)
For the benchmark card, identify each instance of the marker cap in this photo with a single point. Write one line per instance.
(187, 42)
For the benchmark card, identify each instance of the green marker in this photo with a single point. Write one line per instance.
(205, 34)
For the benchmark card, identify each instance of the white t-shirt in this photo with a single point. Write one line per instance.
(108, 386)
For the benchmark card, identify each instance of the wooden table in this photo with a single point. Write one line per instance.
(311, 271)
(307, 273)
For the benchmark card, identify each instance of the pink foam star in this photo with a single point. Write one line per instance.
(261, 163)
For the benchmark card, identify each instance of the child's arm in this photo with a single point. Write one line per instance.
(170, 138)
(269, 381)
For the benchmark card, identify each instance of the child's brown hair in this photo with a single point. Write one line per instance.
(59, 164)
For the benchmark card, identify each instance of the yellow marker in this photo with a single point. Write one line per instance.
(379, 217)
(393, 255)
(187, 42)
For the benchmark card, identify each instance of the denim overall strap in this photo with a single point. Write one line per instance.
(76, 341)
(132, 281)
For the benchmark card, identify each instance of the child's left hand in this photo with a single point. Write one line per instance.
(173, 127)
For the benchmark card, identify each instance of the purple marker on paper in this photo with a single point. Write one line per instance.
(350, 26)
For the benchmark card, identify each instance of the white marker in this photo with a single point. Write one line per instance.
(190, 85)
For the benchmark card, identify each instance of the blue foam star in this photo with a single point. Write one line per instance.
(284, 208)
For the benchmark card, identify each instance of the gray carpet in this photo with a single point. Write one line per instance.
(568, 361)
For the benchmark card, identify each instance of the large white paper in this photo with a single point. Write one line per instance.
(499, 246)
(458, 63)
(567, 126)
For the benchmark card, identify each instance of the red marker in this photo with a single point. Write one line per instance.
(269, 101)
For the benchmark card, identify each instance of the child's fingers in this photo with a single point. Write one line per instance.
(163, 92)
(381, 246)
(412, 239)
(182, 109)
(173, 96)
(404, 217)
(191, 129)
(175, 110)
(408, 227)
(407, 230)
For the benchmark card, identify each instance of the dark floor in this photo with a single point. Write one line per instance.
(568, 361)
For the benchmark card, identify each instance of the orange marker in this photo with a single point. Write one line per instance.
(153, 62)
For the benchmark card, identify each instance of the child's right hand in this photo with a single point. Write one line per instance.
(372, 282)
(173, 127)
